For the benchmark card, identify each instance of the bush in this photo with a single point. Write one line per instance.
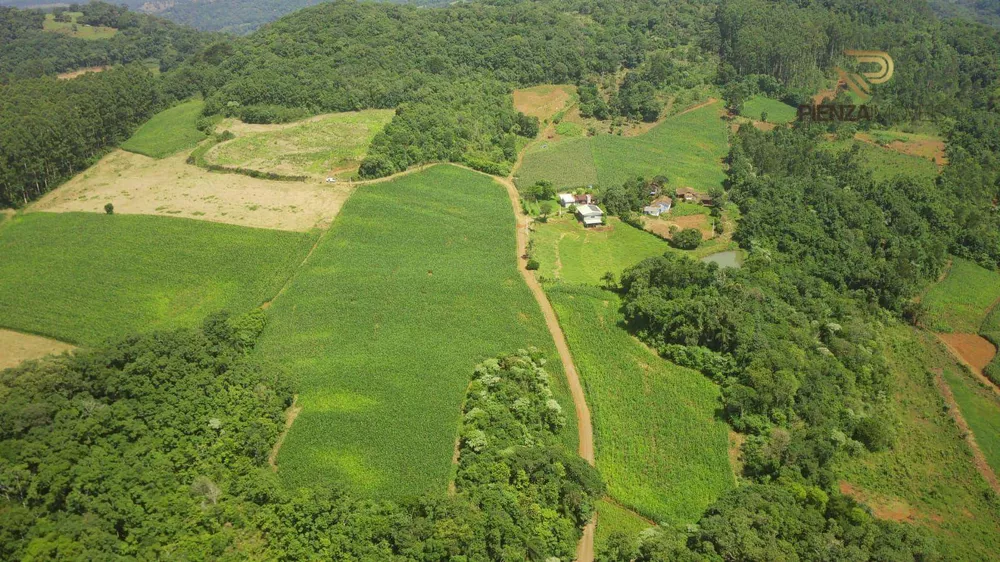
(109, 209)
(533, 264)
(687, 239)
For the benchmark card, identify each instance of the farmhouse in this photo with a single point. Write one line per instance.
(659, 206)
(584, 199)
(591, 215)
(566, 199)
(687, 194)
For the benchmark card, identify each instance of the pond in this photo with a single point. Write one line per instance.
(731, 258)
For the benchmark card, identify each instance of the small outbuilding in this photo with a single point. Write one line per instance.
(591, 215)
(566, 199)
(659, 206)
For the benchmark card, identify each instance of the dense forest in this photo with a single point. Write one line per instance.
(158, 445)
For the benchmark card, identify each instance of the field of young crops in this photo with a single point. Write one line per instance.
(687, 148)
(332, 144)
(981, 409)
(84, 277)
(777, 111)
(960, 302)
(415, 283)
(168, 132)
(659, 445)
(567, 251)
(928, 475)
(613, 519)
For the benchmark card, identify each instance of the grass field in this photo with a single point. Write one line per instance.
(959, 303)
(613, 519)
(884, 163)
(168, 132)
(568, 251)
(659, 445)
(84, 277)
(777, 111)
(333, 144)
(981, 409)
(544, 102)
(687, 148)
(415, 283)
(928, 476)
(81, 31)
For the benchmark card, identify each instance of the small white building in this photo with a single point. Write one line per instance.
(658, 207)
(566, 199)
(591, 215)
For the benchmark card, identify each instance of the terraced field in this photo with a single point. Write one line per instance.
(84, 278)
(688, 148)
(415, 282)
(659, 444)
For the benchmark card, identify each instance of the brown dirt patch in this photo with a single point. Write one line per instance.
(884, 507)
(16, 348)
(291, 413)
(929, 149)
(735, 452)
(764, 125)
(829, 93)
(975, 350)
(81, 72)
(661, 226)
(136, 184)
(542, 102)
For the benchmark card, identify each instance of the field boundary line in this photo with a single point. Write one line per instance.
(978, 459)
(291, 413)
(620, 505)
(41, 335)
(284, 287)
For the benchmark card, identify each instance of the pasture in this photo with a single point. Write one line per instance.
(981, 408)
(569, 252)
(83, 278)
(327, 145)
(688, 148)
(659, 445)
(928, 477)
(168, 132)
(544, 102)
(415, 283)
(885, 163)
(960, 302)
(777, 111)
(77, 30)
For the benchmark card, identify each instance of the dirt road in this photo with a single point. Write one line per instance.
(585, 550)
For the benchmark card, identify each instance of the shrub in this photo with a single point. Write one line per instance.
(109, 209)
(533, 264)
(687, 239)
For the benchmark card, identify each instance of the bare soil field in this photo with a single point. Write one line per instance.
(542, 101)
(975, 350)
(889, 509)
(661, 226)
(930, 149)
(81, 72)
(137, 184)
(16, 347)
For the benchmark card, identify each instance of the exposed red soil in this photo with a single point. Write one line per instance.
(662, 227)
(932, 150)
(977, 352)
(889, 509)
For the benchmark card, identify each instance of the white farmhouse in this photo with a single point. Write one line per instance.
(591, 215)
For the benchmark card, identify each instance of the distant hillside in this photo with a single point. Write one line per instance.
(985, 11)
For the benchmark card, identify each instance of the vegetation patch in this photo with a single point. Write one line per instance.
(84, 278)
(930, 467)
(885, 163)
(168, 132)
(543, 102)
(687, 148)
(422, 259)
(67, 25)
(980, 407)
(775, 111)
(328, 145)
(612, 519)
(961, 301)
(659, 444)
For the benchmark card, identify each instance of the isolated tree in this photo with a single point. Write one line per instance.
(688, 239)
(545, 208)
(609, 281)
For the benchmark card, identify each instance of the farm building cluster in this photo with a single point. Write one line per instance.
(591, 215)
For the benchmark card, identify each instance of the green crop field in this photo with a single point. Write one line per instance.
(567, 251)
(613, 519)
(78, 30)
(928, 474)
(659, 445)
(84, 278)
(168, 132)
(415, 283)
(960, 302)
(777, 111)
(687, 148)
(981, 409)
(332, 144)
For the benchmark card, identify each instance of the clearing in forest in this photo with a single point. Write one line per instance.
(930, 468)
(77, 30)
(660, 446)
(80, 72)
(16, 348)
(543, 102)
(85, 278)
(885, 163)
(323, 146)
(960, 302)
(168, 132)
(688, 148)
(414, 284)
(922, 145)
(777, 111)
(137, 184)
